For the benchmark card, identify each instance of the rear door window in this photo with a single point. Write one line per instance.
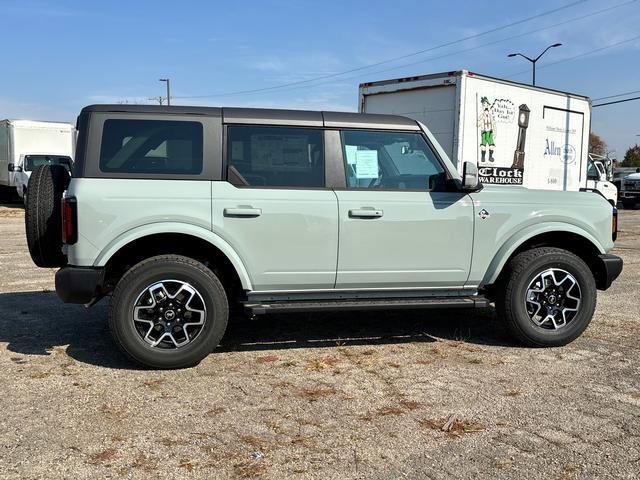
(275, 157)
(151, 146)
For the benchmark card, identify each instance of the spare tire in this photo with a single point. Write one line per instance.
(43, 216)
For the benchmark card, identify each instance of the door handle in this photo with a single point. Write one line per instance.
(242, 212)
(365, 213)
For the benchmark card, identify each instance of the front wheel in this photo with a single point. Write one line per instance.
(168, 311)
(548, 297)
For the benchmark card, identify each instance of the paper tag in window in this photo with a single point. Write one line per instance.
(366, 164)
(351, 151)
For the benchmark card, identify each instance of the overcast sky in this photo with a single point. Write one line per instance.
(59, 56)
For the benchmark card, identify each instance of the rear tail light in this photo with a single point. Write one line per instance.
(614, 224)
(69, 220)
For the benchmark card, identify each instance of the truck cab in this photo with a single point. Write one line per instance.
(598, 179)
(27, 163)
(630, 193)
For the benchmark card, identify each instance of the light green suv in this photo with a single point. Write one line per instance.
(178, 213)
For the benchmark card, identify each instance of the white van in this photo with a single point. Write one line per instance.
(27, 144)
(517, 134)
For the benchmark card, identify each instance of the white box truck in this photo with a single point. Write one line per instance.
(27, 144)
(517, 134)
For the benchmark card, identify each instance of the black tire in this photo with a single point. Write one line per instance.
(168, 268)
(520, 272)
(628, 205)
(43, 216)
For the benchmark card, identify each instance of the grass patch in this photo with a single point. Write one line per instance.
(316, 393)
(102, 456)
(452, 425)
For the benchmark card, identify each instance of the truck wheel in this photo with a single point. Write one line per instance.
(168, 311)
(628, 205)
(43, 216)
(548, 297)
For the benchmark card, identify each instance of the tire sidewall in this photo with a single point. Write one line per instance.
(215, 301)
(561, 336)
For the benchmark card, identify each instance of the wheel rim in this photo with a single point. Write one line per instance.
(553, 298)
(169, 314)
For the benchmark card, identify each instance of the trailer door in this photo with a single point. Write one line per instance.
(563, 150)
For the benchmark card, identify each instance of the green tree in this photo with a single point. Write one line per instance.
(597, 145)
(632, 157)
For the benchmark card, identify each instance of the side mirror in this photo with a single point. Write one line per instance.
(14, 168)
(470, 179)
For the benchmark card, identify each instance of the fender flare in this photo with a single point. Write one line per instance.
(521, 236)
(142, 231)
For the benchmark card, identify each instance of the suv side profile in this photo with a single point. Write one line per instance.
(178, 213)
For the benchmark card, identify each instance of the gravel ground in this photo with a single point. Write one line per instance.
(317, 396)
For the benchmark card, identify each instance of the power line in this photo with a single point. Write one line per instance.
(617, 101)
(583, 54)
(618, 95)
(390, 60)
(477, 47)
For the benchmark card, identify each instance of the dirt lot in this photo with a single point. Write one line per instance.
(321, 396)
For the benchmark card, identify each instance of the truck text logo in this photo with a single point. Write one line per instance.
(566, 153)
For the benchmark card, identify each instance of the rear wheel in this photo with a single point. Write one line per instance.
(168, 312)
(548, 297)
(627, 204)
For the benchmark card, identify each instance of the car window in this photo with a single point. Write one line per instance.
(31, 162)
(151, 146)
(275, 157)
(391, 160)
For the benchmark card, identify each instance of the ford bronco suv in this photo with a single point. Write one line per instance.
(179, 213)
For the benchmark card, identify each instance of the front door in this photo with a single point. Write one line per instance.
(275, 211)
(401, 224)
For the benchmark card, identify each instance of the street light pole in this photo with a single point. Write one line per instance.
(166, 80)
(534, 60)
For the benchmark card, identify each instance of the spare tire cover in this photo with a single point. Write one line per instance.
(43, 216)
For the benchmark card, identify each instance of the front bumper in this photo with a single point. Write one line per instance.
(79, 284)
(629, 195)
(610, 269)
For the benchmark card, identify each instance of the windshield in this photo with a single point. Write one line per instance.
(31, 162)
(592, 170)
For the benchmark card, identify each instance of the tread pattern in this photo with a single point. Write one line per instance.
(513, 275)
(43, 216)
(123, 286)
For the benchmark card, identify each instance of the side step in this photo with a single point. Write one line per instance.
(262, 308)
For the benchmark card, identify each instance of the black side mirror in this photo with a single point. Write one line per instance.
(14, 168)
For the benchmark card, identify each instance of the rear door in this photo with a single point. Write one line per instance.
(274, 208)
(400, 226)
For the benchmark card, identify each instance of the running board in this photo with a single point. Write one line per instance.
(262, 308)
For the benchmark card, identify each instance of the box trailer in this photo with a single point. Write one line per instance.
(516, 134)
(25, 144)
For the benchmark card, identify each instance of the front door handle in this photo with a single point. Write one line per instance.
(242, 212)
(366, 213)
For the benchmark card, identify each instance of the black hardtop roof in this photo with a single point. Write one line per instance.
(268, 116)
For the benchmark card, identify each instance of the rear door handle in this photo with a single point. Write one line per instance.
(365, 213)
(242, 212)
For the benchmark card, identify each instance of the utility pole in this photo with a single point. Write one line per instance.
(534, 60)
(159, 99)
(166, 80)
